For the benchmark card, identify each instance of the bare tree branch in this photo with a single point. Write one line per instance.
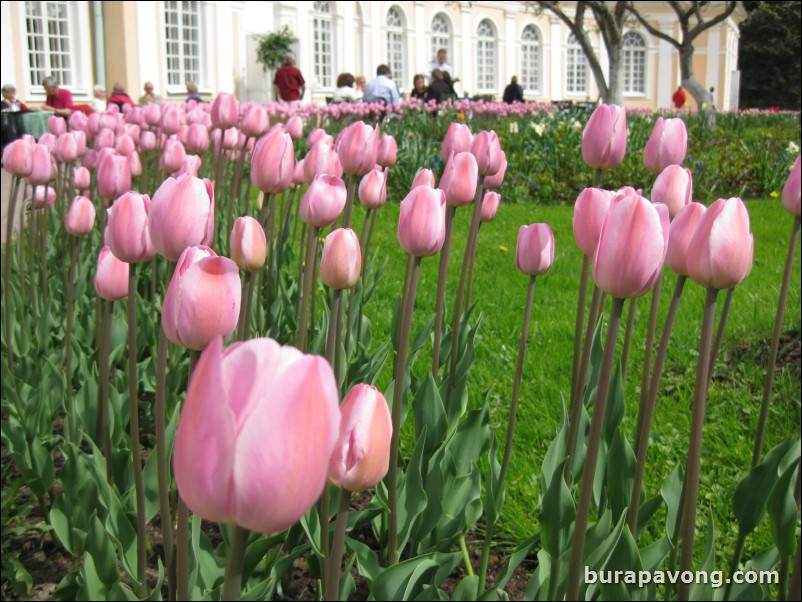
(651, 28)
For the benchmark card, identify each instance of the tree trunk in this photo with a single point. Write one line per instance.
(692, 85)
(615, 85)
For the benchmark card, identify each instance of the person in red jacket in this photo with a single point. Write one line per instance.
(680, 98)
(288, 84)
(58, 99)
(119, 96)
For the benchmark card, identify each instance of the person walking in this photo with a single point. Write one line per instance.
(513, 92)
(288, 84)
(680, 98)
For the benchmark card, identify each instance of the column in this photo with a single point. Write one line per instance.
(557, 59)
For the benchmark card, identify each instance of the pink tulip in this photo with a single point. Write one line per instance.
(299, 174)
(171, 120)
(18, 158)
(632, 247)
(322, 160)
(80, 218)
(534, 253)
(77, 121)
(57, 125)
(80, 141)
(680, 233)
(48, 140)
(111, 277)
(490, 204)
(460, 179)
(590, 210)
(248, 244)
(273, 163)
(66, 148)
(147, 140)
(152, 114)
(191, 166)
(373, 189)
(791, 194)
(666, 146)
(388, 151)
(225, 111)
(295, 127)
(107, 120)
(41, 172)
(721, 250)
(604, 140)
(458, 140)
(127, 228)
(424, 177)
(124, 145)
(323, 201)
(341, 263)
(361, 455)
(91, 159)
(230, 139)
(81, 178)
(422, 221)
(113, 177)
(358, 148)
(255, 121)
(487, 150)
(203, 299)
(104, 139)
(42, 201)
(674, 187)
(197, 139)
(256, 434)
(172, 156)
(495, 181)
(315, 136)
(181, 215)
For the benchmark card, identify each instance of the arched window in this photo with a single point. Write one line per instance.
(395, 45)
(486, 56)
(441, 35)
(530, 59)
(576, 68)
(322, 44)
(634, 63)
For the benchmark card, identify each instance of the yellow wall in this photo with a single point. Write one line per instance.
(120, 41)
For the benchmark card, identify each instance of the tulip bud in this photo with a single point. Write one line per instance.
(18, 158)
(791, 190)
(124, 145)
(203, 299)
(460, 179)
(171, 120)
(422, 221)
(181, 215)
(80, 218)
(490, 203)
(197, 139)
(632, 247)
(172, 156)
(248, 244)
(361, 455)
(604, 140)
(373, 189)
(495, 181)
(487, 150)
(111, 277)
(458, 140)
(273, 163)
(680, 234)
(315, 136)
(152, 114)
(255, 121)
(48, 140)
(295, 127)
(534, 253)
(358, 148)
(262, 419)
(590, 210)
(66, 148)
(322, 160)
(341, 262)
(424, 177)
(135, 164)
(41, 166)
(104, 139)
(388, 151)
(225, 111)
(191, 166)
(113, 177)
(57, 125)
(673, 187)
(323, 201)
(147, 140)
(81, 178)
(720, 253)
(127, 228)
(667, 145)
(77, 121)
(42, 200)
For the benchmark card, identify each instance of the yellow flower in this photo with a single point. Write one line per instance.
(502, 248)
(461, 116)
(411, 135)
(774, 194)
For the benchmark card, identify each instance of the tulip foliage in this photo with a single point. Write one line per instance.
(270, 405)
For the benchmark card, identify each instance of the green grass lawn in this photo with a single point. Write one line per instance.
(500, 291)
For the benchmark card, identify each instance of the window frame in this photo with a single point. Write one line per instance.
(396, 36)
(628, 66)
(537, 46)
(437, 39)
(323, 44)
(572, 50)
(484, 43)
(202, 74)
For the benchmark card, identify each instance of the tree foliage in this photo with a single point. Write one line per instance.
(769, 55)
(273, 47)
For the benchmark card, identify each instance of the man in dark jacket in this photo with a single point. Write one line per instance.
(514, 91)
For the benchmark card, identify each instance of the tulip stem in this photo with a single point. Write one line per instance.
(633, 304)
(23, 288)
(105, 344)
(578, 386)
(12, 205)
(364, 276)
(236, 184)
(580, 322)
(695, 445)
(311, 250)
(245, 307)
(285, 225)
(592, 454)
(722, 324)
(505, 462)
(269, 226)
(218, 169)
(472, 264)
(232, 586)
(349, 201)
(133, 411)
(32, 237)
(442, 276)
(408, 306)
(331, 339)
(43, 250)
(163, 468)
(597, 175)
(469, 249)
(646, 409)
(75, 244)
(352, 301)
(336, 554)
(649, 351)
(775, 343)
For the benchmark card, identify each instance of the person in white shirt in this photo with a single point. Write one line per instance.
(382, 88)
(441, 62)
(345, 91)
(98, 103)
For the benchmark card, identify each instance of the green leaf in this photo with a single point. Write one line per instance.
(783, 511)
(405, 580)
(554, 454)
(466, 589)
(101, 550)
(671, 492)
(557, 515)
(699, 589)
(514, 561)
(753, 491)
(428, 412)
(61, 524)
(625, 558)
(615, 405)
(538, 585)
(494, 497)
(647, 511)
(366, 559)
(620, 472)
